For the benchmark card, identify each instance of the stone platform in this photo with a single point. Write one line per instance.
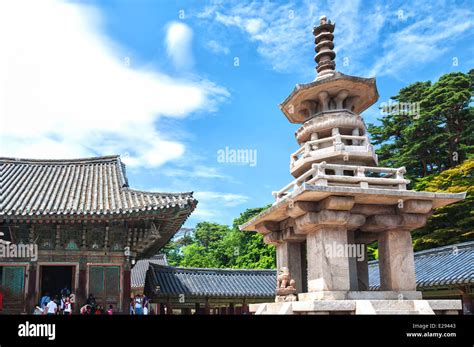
(359, 306)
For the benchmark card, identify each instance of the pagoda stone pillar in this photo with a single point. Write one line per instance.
(396, 261)
(362, 266)
(326, 271)
(288, 248)
(326, 236)
(288, 255)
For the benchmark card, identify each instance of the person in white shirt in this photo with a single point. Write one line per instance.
(67, 310)
(52, 307)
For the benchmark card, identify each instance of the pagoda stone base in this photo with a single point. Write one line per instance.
(351, 307)
(360, 295)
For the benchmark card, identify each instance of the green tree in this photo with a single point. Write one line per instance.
(253, 252)
(205, 249)
(453, 223)
(436, 138)
(220, 246)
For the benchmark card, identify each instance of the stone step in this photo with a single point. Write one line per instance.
(390, 312)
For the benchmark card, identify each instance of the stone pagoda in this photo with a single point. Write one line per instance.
(339, 202)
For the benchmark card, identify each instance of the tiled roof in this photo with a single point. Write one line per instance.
(211, 282)
(437, 267)
(98, 186)
(141, 267)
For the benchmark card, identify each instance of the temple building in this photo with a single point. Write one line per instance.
(340, 201)
(441, 273)
(140, 269)
(77, 224)
(178, 290)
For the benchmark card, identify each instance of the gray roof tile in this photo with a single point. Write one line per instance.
(434, 268)
(84, 187)
(141, 266)
(211, 282)
(438, 267)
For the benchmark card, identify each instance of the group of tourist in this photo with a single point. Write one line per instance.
(91, 307)
(139, 305)
(64, 304)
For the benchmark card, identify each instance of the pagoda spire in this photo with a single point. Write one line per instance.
(323, 38)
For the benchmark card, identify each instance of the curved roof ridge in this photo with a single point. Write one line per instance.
(131, 190)
(459, 246)
(202, 269)
(85, 160)
(438, 250)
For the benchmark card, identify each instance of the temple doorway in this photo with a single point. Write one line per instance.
(56, 277)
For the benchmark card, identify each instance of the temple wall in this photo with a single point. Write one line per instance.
(96, 257)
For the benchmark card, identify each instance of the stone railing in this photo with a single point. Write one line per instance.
(331, 144)
(323, 174)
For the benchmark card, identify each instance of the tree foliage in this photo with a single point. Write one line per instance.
(453, 223)
(213, 245)
(435, 145)
(437, 137)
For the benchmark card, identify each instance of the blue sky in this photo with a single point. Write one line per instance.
(157, 82)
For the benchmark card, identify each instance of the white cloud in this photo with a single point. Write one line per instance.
(178, 45)
(420, 43)
(283, 32)
(216, 47)
(278, 36)
(198, 171)
(370, 38)
(211, 204)
(65, 90)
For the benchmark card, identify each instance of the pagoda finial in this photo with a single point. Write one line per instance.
(323, 37)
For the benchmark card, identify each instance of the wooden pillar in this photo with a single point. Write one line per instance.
(207, 307)
(245, 308)
(230, 309)
(169, 308)
(467, 302)
(81, 295)
(31, 299)
(126, 291)
(162, 310)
